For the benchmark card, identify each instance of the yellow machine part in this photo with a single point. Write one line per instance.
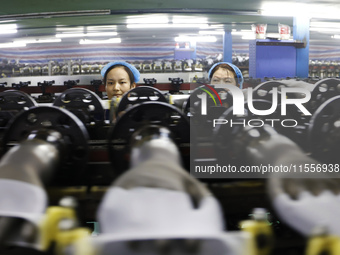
(51, 233)
(325, 244)
(262, 235)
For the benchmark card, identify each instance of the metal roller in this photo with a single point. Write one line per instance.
(139, 95)
(36, 121)
(11, 103)
(323, 90)
(324, 131)
(44, 144)
(86, 105)
(138, 116)
(225, 145)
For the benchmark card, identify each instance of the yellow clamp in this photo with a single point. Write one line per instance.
(262, 235)
(66, 238)
(51, 232)
(323, 244)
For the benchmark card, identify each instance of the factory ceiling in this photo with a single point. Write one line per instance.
(128, 20)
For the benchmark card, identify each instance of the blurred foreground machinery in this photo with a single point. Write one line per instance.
(78, 177)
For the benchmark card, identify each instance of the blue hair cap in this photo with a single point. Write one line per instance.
(133, 69)
(238, 72)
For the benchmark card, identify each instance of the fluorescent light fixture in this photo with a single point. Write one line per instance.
(162, 21)
(217, 26)
(12, 45)
(193, 25)
(294, 9)
(8, 21)
(96, 28)
(13, 31)
(112, 40)
(149, 19)
(48, 40)
(101, 34)
(242, 32)
(27, 41)
(336, 36)
(189, 20)
(195, 39)
(70, 29)
(324, 24)
(201, 26)
(159, 25)
(285, 9)
(8, 29)
(245, 34)
(248, 37)
(67, 35)
(324, 29)
(214, 32)
(273, 35)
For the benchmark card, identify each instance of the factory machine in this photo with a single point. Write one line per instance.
(158, 171)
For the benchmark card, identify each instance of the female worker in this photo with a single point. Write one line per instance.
(225, 73)
(119, 77)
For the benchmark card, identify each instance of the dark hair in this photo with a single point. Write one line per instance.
(129, 72)
(222, 66)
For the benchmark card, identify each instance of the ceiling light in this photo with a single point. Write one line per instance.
(195, 39)
(96, 28)
(150, 19)
(155, 25)
(294, 9)
(216, 26)
(324, 29)
(112, 40)
(67, 35)
(8, 29)
(336, 36)
(70, 29)
(8, 21)
(12, 45)
(248, 37)
(284, 9)
(324, 24)
(101, 34)
(189, 20)
(243, 32)
(207, 32)
(273, 35)
(27, 41)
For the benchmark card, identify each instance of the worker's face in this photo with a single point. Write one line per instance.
(223, 76)
(118, 82)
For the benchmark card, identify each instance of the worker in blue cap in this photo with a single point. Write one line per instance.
(119, 77)
(225, 73)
